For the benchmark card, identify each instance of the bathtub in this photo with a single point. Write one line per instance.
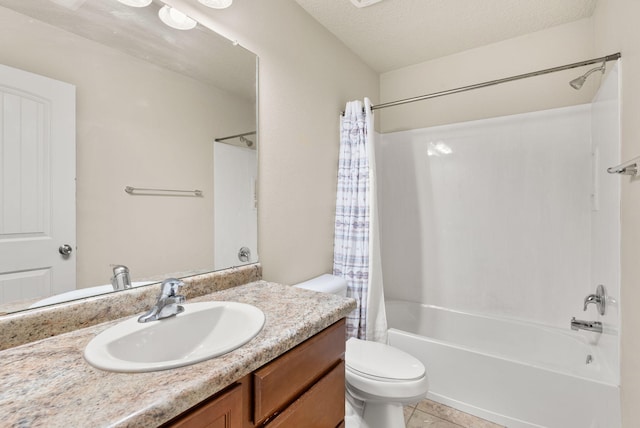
(514, 373)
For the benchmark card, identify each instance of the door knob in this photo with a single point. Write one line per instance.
(65, 249)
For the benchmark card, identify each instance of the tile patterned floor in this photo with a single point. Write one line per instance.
(429, 414)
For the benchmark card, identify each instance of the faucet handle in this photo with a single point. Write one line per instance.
(600, 299)
(171, 287)
(591, 298)
(168, 303)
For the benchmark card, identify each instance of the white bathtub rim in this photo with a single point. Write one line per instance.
(603, 372)
(444, 359)
(607, 328)
(502, 358)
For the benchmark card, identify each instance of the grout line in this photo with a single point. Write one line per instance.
(413, 410)
(437, 417)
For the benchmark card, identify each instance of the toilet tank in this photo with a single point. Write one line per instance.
(326, 284)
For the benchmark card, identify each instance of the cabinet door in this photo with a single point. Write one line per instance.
(223, 411)
(320, 407)
(280, 382)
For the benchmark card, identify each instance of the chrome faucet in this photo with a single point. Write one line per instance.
(168, 303)
(595, 326)
(120, 279)
(600, 299)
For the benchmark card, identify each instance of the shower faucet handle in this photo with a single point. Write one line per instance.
(600, 299)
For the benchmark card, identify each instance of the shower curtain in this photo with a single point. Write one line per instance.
(356, 241)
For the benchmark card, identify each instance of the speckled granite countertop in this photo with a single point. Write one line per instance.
(49, 384)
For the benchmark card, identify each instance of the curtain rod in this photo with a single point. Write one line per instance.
(235, 136)
(612, 57)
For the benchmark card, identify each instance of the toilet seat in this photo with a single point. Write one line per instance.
(381, 362)
(379, 372)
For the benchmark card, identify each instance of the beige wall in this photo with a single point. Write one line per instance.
(549, 48)
(306, 76)
(616, 29)
(137, 125)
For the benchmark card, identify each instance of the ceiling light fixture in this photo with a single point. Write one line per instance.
(70, 4)
(364, 3)
(176, 19)
(216, 4)
(136, 3)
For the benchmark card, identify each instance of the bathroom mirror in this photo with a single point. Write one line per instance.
(150, 101)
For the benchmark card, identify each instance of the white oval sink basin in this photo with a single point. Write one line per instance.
(204, 330)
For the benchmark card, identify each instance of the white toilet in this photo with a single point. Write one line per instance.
(380, 379)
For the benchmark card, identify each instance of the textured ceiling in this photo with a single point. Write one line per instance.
(396, 33)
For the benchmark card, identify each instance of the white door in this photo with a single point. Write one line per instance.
(37, 185)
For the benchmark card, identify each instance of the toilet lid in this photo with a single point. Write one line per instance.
(382, 361)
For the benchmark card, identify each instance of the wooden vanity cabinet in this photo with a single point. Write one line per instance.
(302, 388)
(223, 410)
(321, 406)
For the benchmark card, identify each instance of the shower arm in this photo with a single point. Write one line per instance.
(593, 70)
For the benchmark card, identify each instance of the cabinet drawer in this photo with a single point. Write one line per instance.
(280, 382)
(223, 411)
(320, 407)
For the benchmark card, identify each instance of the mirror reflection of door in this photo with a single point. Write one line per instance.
(37, 186)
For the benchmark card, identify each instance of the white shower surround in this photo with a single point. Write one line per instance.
(504, 224)
(235, 208)
(500, 225)
(510, 217)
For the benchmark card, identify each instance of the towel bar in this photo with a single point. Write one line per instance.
(130, 190)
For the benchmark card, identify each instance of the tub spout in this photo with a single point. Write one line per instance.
(595, 326)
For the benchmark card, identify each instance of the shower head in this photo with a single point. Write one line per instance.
(579, 81)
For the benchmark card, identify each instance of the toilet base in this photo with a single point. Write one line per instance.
(383, 415)
(360, 414)
(353, 413)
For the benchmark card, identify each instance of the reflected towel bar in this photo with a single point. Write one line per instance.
(130, 190)
(628, 168)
